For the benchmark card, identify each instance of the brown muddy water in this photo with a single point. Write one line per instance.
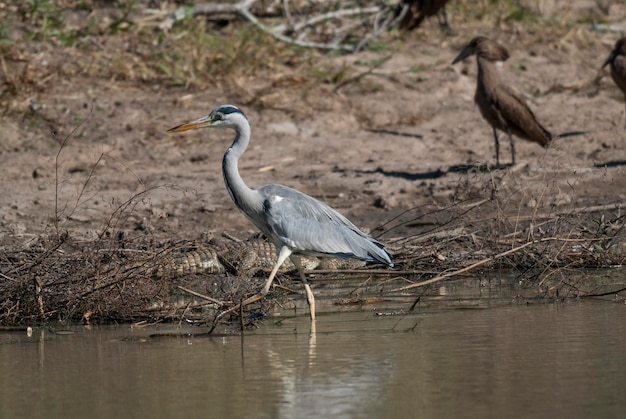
(512, 360)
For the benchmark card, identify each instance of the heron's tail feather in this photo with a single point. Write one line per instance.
(380, 254)
(367, 248)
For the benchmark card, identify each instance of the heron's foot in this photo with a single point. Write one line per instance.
(310, 299)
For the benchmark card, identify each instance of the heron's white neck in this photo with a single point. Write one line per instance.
(244, 197)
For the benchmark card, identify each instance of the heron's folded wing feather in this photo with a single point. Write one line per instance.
(310, 226)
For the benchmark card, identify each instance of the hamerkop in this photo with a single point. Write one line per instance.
(418, 10)
(617, 59)
(498, 103)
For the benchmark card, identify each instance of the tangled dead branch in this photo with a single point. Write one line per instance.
(335, 25)
(120, 280)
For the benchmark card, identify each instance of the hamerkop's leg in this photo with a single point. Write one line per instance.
(512, 148)
(442, 17)
(495, 137)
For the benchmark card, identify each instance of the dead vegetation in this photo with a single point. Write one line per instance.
(198, 43)
(117, 278)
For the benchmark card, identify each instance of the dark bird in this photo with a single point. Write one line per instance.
(504, 109)
(415, 11)
(296, 223)
(617, 60)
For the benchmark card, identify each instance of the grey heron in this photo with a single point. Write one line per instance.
(294, 222)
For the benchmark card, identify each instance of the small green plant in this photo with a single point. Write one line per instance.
(194, 54)
(603, 228)
(46, 16)
(519, 14)
(506, 11)
(4, 32)
(418, 68)
(328, 73)
(377, 46)
(372, 63)
(123, 22)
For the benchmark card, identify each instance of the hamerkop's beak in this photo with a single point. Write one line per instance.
(610, 58)
(466, 52)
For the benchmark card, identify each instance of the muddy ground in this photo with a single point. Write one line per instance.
(93, 152)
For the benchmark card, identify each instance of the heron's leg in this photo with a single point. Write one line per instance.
(512, 148)
(307, 289)
(495, 137)
(625, 123)
(283, 254)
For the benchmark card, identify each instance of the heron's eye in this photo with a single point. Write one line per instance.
(218, 117)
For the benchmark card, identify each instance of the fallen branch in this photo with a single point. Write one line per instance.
(603, 294)
(601, 27)
(324, 17)
(363, 74)
(393, 132)
(7, 277)
(480, 263)
(204, 297)
(248, 15)
(389, 22)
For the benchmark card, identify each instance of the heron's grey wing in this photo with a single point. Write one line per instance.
(518, 116)
(309, 226)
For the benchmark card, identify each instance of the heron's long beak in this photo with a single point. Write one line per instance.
(467, 51)
(205, 121)
(610, 58)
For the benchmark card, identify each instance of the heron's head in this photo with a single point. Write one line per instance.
(225, 116)
(485, 48)
(619, 49)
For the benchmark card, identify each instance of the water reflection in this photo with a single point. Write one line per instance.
(516, 361)
(328, 377)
